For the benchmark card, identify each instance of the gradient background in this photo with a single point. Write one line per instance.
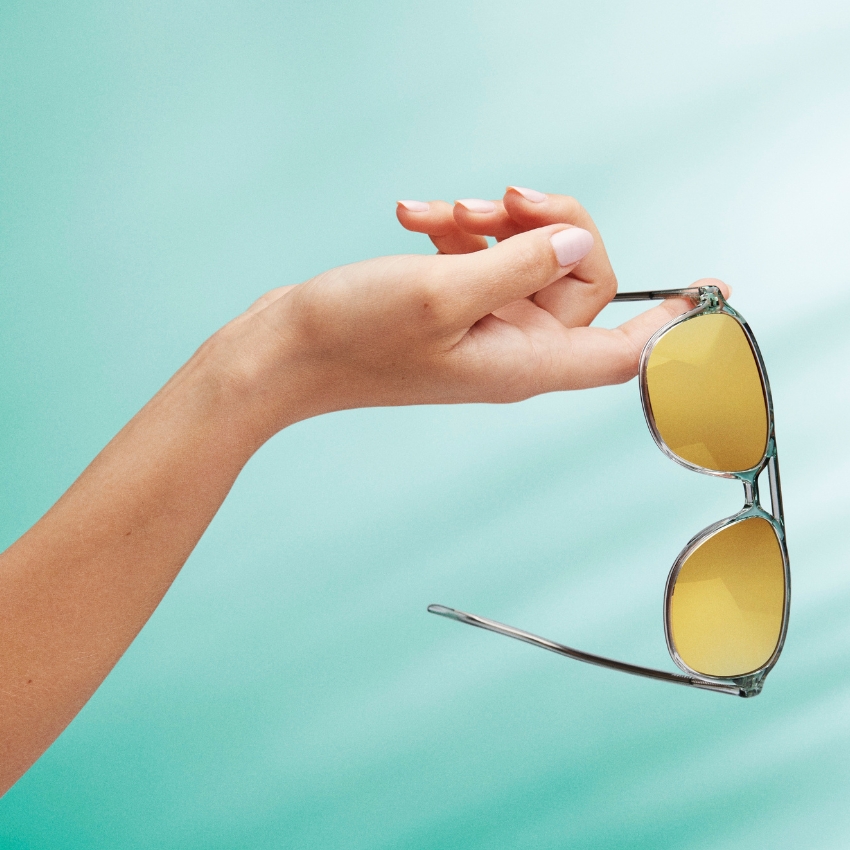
(162, 164)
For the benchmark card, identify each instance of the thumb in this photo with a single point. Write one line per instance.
(476, 284)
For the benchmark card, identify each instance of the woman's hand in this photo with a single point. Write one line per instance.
(472, 324)
(576, 299)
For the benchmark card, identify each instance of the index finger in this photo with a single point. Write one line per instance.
(577, 299)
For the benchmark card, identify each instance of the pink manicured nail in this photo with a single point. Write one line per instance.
(415, 206)
(571, 245)
(529, 194)
(476, 205)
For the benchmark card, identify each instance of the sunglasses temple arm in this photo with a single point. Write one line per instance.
(775, 489)
(659, 294)
(578, 655)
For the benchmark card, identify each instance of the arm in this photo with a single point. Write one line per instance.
(77, 587)
(488, 326)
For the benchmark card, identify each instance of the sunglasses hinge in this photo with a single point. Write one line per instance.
(710, 297)
(751, 685)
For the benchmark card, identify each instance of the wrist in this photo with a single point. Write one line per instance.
(258, 381)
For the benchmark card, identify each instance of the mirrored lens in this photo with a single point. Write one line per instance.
(729, 600)
(706, 394)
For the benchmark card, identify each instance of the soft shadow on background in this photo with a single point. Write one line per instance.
(162, 165)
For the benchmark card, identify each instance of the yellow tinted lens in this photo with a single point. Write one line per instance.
(706, 394)
(729, 601)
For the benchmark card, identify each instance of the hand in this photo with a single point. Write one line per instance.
(472, 325)
(467, 325)
(576, 299)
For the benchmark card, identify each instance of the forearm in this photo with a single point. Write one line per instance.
(489, 326)
(77, 588)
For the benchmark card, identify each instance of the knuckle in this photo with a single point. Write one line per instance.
(608, 286)
(573, 209)
(572, 212)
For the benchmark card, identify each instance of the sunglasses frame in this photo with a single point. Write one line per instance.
(710, 300)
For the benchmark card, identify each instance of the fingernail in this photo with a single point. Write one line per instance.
(476, 205)
(415, 206)
(529, 194)
(571, 245)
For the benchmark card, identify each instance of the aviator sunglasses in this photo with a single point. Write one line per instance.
(706, 399)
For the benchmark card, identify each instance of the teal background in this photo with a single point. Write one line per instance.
(162, 164)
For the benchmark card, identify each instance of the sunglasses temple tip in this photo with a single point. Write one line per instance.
(454, 614)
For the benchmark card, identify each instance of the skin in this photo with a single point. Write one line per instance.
(472, 324)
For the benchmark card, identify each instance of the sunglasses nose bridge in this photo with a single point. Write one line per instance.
(750, 480)
(751, 491)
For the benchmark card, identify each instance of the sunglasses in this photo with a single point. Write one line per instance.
(706, 399)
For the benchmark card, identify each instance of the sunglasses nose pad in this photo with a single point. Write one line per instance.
(725, 604)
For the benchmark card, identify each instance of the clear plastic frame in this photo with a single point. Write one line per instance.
(708, 300)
